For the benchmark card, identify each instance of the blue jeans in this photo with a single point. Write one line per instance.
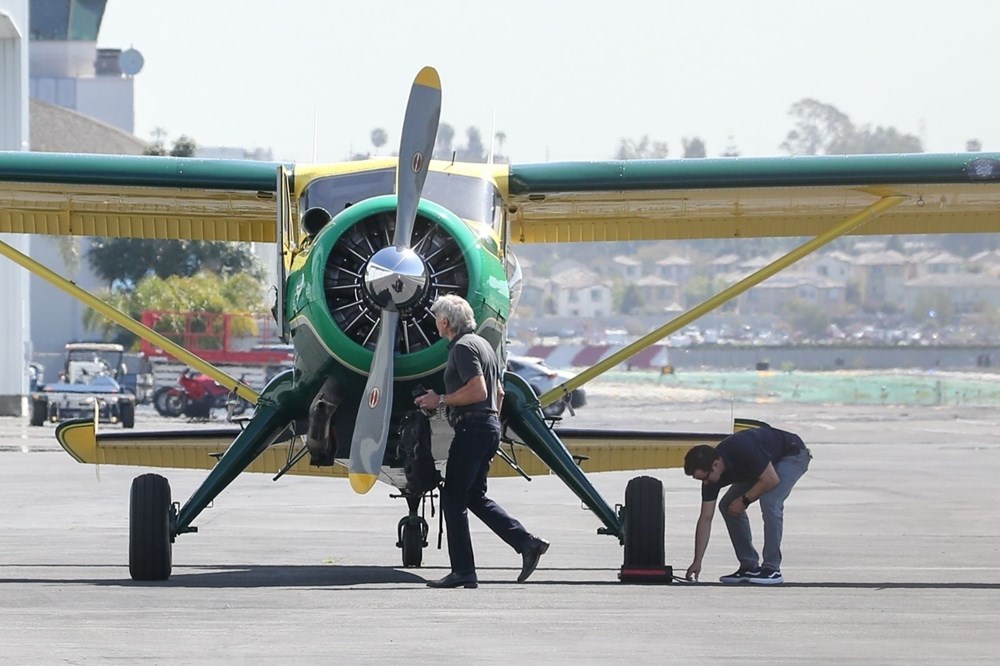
(772, 508)
(473, 447)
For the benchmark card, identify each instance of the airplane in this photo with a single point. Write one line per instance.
(365, 247)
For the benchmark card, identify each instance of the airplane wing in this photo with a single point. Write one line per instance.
(751, 197)
(137, 197)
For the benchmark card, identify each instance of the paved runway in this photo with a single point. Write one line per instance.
(892, 553)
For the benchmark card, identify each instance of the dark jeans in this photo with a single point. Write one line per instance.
(473, 447)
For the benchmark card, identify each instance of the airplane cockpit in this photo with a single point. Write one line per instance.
(473, 199)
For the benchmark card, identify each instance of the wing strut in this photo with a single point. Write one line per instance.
(730, 292)
(128, 323)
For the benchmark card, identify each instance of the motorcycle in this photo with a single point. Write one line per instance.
(195, 396)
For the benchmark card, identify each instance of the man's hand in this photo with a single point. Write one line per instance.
(693, 571)
(428, 400)
(737, 507)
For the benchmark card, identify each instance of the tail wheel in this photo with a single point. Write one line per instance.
(643, 523)
(149, 539)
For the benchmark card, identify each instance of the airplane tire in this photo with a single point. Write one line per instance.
(126, 413)
(412, 541)
(643, 523)
(149, 545)
(39, 411)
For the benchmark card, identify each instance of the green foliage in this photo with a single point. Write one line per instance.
(626, 299)
(643, 149)
(184, 146)
(806, 318)
(205, 292)
(124, 262)
(823, 129)
(693, 147)
(934, 308)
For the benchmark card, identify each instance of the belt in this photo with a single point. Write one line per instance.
(473, 416)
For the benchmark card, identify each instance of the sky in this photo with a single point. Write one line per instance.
(562, 79)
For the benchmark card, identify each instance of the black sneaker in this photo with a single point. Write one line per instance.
(741, 576)
(768, 577)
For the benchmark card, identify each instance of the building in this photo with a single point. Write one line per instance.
(14, 325)
(68, 70)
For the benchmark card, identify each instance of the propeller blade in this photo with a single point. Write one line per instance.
(420, 126)
(371, 430)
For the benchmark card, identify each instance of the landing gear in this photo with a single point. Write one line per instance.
(149, 538)
(412, 532)
(643, 532)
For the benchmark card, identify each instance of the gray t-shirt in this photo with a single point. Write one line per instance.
(469, 356)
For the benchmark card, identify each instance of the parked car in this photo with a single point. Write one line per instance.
(542, 378)
(88, 384)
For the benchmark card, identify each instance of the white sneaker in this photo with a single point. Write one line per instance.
(740, 576)
(768, 577)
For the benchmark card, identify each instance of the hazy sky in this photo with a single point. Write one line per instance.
(566, 79)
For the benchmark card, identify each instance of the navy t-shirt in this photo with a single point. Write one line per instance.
(747, 453)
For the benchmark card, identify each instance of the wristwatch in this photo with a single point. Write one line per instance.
(747, 501)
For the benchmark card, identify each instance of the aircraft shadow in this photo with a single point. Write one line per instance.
(263, 576)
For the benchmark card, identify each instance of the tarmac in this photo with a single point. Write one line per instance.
(891, 555)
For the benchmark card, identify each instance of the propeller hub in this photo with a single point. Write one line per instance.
(396, 276)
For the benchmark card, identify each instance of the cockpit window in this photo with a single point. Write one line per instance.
(467, 197)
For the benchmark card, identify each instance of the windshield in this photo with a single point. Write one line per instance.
(469, 198)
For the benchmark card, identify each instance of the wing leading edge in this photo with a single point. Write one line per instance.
(751, 197)
(137, 197)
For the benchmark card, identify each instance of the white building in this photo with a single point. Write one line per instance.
(15, 350)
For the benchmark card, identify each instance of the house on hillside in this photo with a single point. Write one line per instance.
(580, 293)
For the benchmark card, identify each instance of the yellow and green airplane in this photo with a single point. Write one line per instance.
(365, 247)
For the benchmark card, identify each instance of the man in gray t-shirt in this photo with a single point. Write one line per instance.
(473, 394)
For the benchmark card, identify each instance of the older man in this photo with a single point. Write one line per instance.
(473, 394)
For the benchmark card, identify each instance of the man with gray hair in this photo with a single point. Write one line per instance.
(473, 395)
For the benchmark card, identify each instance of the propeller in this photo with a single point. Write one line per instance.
(395, 277)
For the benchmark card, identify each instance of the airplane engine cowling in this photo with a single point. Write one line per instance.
(334, 313)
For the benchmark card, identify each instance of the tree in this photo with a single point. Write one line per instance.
(643, 149)
(809, 319)
(626, 299)
(124, 262)
(693, 147)
(973, 146)
(379, 138)
(474, 150)
(443, 144)
(204, 292)
(823, 129)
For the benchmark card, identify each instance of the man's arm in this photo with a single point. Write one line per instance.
(767, 480)
(470, 393)
(702, 532)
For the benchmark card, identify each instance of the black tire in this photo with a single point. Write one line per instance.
(412, 541)
(555, 409)
(126, 413)
(643, 523)
(39, 411)
(149, 542)
(169, 402)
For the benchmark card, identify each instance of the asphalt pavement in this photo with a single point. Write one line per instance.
(891, 555)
